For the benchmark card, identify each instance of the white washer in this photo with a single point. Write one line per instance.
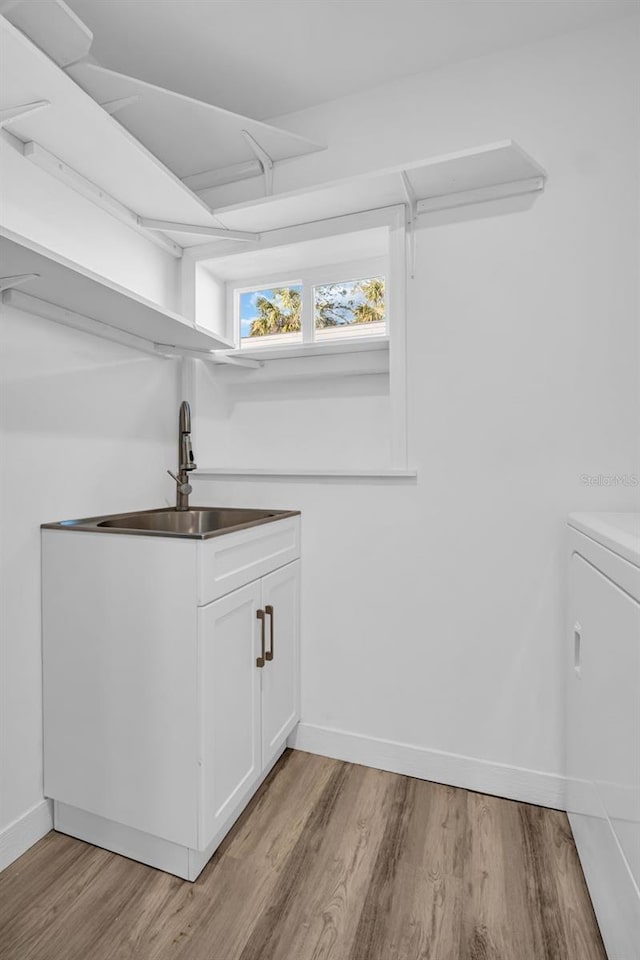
(603, 719)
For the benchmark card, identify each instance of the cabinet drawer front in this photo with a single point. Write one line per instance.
(228, 562)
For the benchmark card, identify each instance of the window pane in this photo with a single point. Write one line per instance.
(271, 316)
(353, 308)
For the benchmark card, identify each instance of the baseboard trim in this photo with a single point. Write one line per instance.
(24, 832)
(482, 776)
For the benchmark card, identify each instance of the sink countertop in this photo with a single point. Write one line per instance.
(200, 523)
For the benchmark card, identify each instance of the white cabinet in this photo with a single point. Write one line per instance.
(159, 721)
(603, 720)
(249, 701)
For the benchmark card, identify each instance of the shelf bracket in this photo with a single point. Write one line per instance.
(112, 106)
(197, 230)
(239, 361)
(86, 188)
(7, 114)
(412, 210)
(265, 162)
(212, 356)
(9, 283)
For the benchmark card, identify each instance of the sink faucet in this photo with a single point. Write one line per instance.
(186, 462)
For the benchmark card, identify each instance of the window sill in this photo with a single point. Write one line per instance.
(324, 349)
(357, 357)
(293, 473)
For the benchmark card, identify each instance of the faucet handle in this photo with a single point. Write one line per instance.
(182, 487)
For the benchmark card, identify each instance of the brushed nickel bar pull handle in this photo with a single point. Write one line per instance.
(269, 610)
(260, 616)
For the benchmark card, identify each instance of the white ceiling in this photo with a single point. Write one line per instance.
(264, 58)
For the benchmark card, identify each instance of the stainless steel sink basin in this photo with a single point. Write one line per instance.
(196, 522)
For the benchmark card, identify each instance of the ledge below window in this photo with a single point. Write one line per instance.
(293, 473)
(332, 358)
(322, 349)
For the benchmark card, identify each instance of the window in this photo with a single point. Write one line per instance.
(270, 316)
(333, 303)
(322, 289)
(273, 316)
(349, 308)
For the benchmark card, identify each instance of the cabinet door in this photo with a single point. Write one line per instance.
(280, 677)
(228, 637)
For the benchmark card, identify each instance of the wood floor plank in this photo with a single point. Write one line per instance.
(329, 873)
(77, 925)
(34, 925)
(538, 869)
(497, 923)
(413, 905)
(330, 861)
(151, 923)
(35, 872)
(569, 925)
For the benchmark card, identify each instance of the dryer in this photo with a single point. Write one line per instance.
(602, 670)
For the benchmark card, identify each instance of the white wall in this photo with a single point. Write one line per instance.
(87, 427)
(433, 613)
(305, 423)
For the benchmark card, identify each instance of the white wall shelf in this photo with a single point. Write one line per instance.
(322, 367)
(57, 289)
(81, 135)
(294, 473)
(467, 176)
(191, 136)
(317, 349)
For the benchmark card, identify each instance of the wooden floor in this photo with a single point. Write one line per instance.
(331, 861)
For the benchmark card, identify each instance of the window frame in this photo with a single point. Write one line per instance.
(307, 278)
